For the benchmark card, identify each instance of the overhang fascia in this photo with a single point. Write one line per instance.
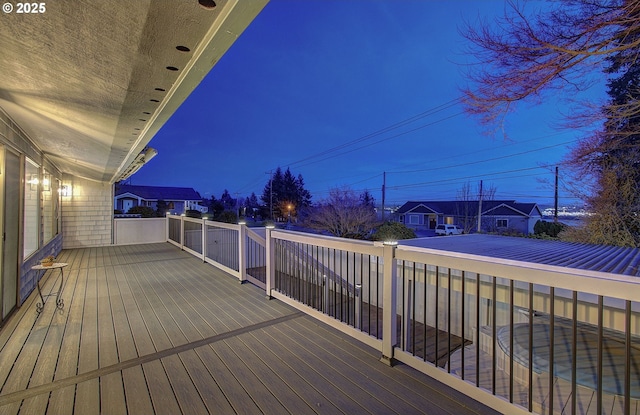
(234, 19)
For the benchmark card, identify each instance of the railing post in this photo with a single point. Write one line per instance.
(204, 239)
(358, 306)
(168, 222)
(271, 262)
(181, 231)
(389, 310)
(242, 254)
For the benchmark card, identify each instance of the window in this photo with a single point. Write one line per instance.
(47, 207)
(31, 207)
(414, 219)
(448, 220)
(502, 223)
(50, 206)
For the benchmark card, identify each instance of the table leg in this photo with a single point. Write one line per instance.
(59, 300)
(40, 305)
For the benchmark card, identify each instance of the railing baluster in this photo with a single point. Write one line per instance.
(369, 299)
(600, 351)
(494, 342)
(462, 325)
(552, 338)
(574, 351)
(437, 314)
(478, 329)
(413, 309)
(449, 292)
(531, 312)
(404, 308)
(511, 306)
(627, 353)
(424, 315)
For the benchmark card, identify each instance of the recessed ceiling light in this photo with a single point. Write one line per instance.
(183, 48)
(207, 4)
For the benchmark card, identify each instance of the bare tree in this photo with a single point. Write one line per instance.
(563, 48)
(469, 204)
(523, 55)
(343, 214)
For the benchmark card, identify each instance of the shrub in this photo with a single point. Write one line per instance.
(144, 211)
(227, 216)
(190, 213)
(551, 229)
(393, 231)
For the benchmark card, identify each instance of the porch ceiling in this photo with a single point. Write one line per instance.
(88, 81)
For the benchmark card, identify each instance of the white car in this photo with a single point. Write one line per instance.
(448, 230)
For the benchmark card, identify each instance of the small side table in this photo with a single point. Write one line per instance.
(41, 270)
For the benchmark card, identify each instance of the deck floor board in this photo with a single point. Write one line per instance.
(151, 329)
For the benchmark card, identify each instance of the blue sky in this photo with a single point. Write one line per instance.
(323, 87)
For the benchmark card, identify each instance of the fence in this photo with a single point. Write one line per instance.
(518, 336)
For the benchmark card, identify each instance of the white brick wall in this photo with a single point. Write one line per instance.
(87, 213)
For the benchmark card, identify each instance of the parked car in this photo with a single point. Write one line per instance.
(448, 230)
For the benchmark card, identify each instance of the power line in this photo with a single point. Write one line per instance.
(377, 133)
(486, 160)
(384, 139)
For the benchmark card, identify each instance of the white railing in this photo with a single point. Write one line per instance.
(485, 326)
(139, 230)
(233, 248)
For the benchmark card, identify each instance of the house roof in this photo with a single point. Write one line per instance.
(613, 259)
(159, 192)
(460, 207)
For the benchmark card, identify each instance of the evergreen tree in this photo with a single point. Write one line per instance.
(215, 207)
(252, 206)
(284, 194)
(367, 200)
(228, 202)
(161, 208)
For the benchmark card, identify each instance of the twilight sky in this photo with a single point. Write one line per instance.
(341, 91)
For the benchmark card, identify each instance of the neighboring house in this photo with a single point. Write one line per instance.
(497, 215)
(178, 199)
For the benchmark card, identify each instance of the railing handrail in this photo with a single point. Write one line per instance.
(223, 225)
(190, 219)
(257, 238)
(352, 245)
(586, 281)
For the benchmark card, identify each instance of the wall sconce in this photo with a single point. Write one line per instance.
(33, 181)
(65, 190)
(46, 183)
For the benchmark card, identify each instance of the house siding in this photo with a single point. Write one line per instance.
(87, 214)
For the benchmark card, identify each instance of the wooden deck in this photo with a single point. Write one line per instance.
(149, 329)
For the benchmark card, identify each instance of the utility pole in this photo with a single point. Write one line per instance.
(479, 228)
(384, 189)
(555, 203)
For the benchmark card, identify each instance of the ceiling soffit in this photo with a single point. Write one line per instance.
(91, 82)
